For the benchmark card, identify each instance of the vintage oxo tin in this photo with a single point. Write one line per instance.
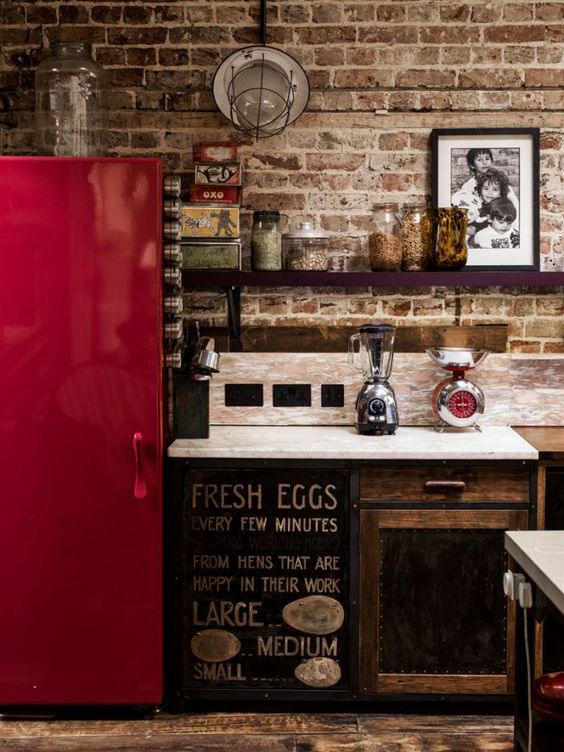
(207, 194)
(201, 221)
(215, 151)
(217, 173)
(211, 255)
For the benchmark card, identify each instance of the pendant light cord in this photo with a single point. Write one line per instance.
(263, 22)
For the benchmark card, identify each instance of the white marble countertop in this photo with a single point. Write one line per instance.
(344, 443)
(540, 553)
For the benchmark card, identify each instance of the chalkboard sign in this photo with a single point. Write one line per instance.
(266, 579)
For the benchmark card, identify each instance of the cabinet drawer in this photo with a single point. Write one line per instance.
(442, 483)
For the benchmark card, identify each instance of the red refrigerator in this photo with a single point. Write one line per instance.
(81, 425)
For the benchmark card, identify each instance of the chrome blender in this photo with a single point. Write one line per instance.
(376, 407)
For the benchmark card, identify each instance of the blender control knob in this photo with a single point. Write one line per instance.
(376, 407)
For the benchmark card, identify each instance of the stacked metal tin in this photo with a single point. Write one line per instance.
(209, 222)
(172, 274)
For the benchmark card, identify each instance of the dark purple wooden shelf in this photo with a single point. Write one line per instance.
(373, 279)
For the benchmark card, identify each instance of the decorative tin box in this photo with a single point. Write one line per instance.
(206, 194)
(215, 151)
(211, 221)
(211, 256)
(217, 173)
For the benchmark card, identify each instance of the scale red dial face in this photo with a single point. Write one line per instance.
(462, 404)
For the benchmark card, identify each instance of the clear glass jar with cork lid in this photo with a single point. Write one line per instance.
(384, 242)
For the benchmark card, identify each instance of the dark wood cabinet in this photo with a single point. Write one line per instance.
(433, 617)
(407, 558)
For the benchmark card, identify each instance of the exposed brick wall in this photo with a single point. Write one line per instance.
(383, 75)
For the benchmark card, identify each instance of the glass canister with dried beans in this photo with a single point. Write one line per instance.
(384, 242)
(416, 238)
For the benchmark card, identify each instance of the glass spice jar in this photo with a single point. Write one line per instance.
(416, 238)
(450, 251)
(70, 106)
(266, 242)
(305, 249)
(384, 242)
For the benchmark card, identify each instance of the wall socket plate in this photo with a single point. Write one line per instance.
(332, 395)
(244, 395)
(291, 395)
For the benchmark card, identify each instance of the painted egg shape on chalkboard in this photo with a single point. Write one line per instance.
(318, 672)
(215, 645)
(314, 614)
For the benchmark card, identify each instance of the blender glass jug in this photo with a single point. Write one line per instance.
(375, 350)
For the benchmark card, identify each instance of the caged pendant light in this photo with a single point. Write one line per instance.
(261, 89)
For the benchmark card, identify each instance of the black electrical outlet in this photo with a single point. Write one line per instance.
(244, 395)
(332, 395)
(291, 395)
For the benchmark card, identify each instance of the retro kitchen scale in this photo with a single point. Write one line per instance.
(457, 401)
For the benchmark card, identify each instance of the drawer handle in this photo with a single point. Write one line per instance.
(432, 485)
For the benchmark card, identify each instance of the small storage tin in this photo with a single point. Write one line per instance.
(217, 173)
(215, 151)
(200, 221)
(204, 194)
(305, 249)
(211, 256)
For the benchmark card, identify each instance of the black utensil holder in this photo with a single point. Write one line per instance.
(191, 407)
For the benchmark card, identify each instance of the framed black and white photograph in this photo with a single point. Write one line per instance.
(494, 174)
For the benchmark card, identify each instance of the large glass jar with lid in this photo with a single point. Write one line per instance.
(266, 242)
(416, 238)
(70, 106)
(305, 249)
(384, 242)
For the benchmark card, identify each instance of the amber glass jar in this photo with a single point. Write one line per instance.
(450, 249)
(384, 242)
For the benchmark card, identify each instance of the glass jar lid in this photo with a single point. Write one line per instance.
(306, 231)
(270, 215)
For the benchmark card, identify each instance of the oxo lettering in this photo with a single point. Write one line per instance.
(213, 194)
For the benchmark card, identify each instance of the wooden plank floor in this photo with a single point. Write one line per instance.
(265, 732)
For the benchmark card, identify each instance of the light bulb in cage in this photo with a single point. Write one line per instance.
(261, 90)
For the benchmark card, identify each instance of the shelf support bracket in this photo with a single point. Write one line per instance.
(234, 319)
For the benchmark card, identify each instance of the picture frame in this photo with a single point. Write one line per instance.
(494, 174)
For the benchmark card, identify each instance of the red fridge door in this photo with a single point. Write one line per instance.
(80, 431)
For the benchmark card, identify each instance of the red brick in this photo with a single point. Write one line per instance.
(546, 11)
(125, 76)
(198, 35)
(517, 55)
(510, 34)
(168, 14)
(137, 35)
(73, 14)
(329, 56)
(362, 78)
(450, 35)
(524, 346)
(399, 183)
(326, 34)
(393, 141)
(344, 162)
(397, 307)
(514, 12)
(544, 77)
(364, 12)
(555, 33)
(388, 35)
(280, 161)
(457, 13)
(360, 56)
(295, 14)
(105, 14)
(141, 56)
(111, 55)
(137, 14)
(487, 13)
(390, 13)
(428, 79)
(327, 13)
(494, 79)
(178, 80)
(173, 57)
(41, 14)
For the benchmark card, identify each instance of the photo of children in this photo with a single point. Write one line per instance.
(500, 231)
(480, 176)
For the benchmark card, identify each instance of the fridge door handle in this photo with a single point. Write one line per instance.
(140, 487)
